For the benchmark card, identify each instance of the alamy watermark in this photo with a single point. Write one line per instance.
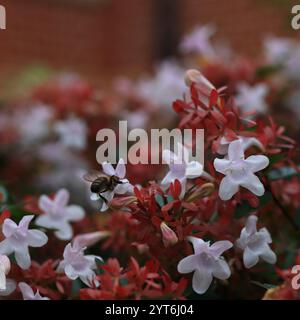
(296, 18)
(2, 18)
(296, 279)
(138, 147)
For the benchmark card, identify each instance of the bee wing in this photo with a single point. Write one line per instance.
(93, 175)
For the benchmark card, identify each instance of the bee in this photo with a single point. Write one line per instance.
(101, 183)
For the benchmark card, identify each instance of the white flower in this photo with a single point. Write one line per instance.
(206, 263)
(28, 294)
(7, 286)
(247, 142)
(57, 215)
(72, 133)
(4, 270)
(180, 167)
(122, 188)
(292, 65)
(277, 50)
(33, 124)
(167, 84)
(252, 98)
(75, 264)
(10, 288)
(240, 171)
(18, 238)
(255, 244)
(198, 41)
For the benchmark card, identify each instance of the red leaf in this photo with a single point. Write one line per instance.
(213, 99)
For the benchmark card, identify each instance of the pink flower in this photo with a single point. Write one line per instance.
(239, 171)
(28, 294)
(18, 238)
(255, 244)
(206, 263)
(57, 215)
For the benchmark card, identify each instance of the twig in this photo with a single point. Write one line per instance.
(283, 209)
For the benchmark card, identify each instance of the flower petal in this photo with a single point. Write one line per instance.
(65, 231)
(45, 203)
(183, 153)
(108, 168)
(62, 198)
(123, 188)
(94, 197)
(169, 157)
(23, 258)
(9, 227)
(120, 169)
(221, 165)
(10, 287)
(187, 264)
(252, 183)
(257, 163)
(201, 280)
(235, 150)
(70, 272)
(228, 187)
(36, 238)
(194, 169)
(24, 223)
(26, 291)
(108, 196)
(74, 213)
(268, 255)
(265, 235)
(250, 258)
(251, 224)
(198, 244)
(45, 221)
(221, 270)
(5, 247)
(219, 247)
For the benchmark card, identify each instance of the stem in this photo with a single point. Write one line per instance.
(283, 209)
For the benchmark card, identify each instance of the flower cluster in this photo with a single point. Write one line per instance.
(228, 226)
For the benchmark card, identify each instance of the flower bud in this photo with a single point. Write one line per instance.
(89, 239)
(169, 237)
(194, 76)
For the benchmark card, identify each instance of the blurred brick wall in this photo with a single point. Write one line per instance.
(103, 38)
(96, 39)
(243, 23)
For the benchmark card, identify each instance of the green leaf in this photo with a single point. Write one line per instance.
(160, 200)
(282, 173)
(242, 210)
(3, 194)
(274, 158)
(266, 286)
(297, 217)
(268, 70)
(170, 199)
